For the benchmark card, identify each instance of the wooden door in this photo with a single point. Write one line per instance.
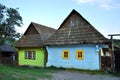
(117, 60)
(105, 60)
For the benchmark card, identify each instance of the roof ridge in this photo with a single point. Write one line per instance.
(42, 25)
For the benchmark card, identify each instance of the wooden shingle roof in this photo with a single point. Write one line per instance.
(6, 48)
(35, 36)
(82, 33)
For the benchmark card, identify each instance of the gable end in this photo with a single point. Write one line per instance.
(31, 30)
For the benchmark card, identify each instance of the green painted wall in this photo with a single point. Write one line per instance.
(39, 57)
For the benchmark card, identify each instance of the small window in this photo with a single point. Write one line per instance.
(80, 54)
(30, 55)
(66, 54)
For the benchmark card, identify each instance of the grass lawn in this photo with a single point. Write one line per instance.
(27, 73)
(23, 73)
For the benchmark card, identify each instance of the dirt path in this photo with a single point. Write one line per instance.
(67, 75)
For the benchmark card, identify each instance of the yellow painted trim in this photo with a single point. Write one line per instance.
(82, 54)
(68, 54)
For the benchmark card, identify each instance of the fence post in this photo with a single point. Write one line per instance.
(112, 47)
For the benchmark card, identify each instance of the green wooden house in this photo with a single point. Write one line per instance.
(31, 50)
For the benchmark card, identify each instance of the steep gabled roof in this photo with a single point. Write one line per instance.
(74, 12)
(83, 33)
(35, 36)
(44, 31)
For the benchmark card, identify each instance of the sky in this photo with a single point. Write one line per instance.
(104, 15)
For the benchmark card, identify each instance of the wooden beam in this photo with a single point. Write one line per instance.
(114, 35)
(113, 56)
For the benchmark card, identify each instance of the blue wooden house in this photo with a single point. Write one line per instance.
(76, 44)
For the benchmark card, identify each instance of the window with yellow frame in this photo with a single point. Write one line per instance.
(66, 54)
(80, 54)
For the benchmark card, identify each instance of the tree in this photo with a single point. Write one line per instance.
(9, 20)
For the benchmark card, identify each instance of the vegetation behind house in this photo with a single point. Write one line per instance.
(117, 42)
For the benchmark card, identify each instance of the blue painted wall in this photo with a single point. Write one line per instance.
(91, 56)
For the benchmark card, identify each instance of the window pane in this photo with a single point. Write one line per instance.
(80, 54)
(26, 55)
(33, 55)
(29, 54)
(65, 54)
